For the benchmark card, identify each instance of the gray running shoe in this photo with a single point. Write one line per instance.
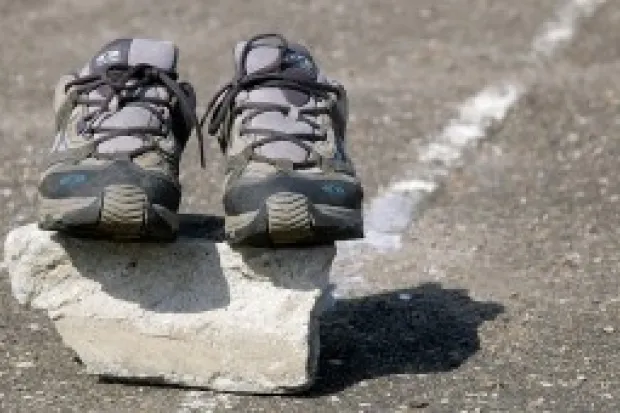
(122, 123)
(282, 123)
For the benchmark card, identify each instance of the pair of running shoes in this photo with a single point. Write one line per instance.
(123, 122)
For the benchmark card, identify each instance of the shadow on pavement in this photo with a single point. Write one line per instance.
(432, 330)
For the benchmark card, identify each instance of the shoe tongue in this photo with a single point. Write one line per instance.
(268, 57)
(157, 53)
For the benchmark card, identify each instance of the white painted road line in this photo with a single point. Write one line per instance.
(476, 115)
(389, 214)
(561, 29)
(414, 185)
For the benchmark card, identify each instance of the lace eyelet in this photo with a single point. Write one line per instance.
(81, 127)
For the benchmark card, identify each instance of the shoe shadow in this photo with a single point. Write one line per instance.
(432, 330)
(159, 277)
(201, 226)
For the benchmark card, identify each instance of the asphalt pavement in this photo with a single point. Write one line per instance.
(504, 295)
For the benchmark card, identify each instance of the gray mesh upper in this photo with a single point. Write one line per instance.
(265, 56)
(157, 53)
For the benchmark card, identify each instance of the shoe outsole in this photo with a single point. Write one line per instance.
(120, 212)
(289, 218)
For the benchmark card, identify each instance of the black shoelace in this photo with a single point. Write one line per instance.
(223, 102)
(115, 80)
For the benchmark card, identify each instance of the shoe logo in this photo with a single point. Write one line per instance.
(72, 180)
(333, 189)
(295, 59)
(108, 57)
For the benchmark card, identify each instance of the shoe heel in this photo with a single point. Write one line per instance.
(289, 218)
(123, 211)
(127, 213)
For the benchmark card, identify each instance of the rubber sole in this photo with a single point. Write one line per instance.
(120, 212)
(289, 218)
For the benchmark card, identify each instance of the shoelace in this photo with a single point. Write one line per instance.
(118, 78)
(223, 102)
